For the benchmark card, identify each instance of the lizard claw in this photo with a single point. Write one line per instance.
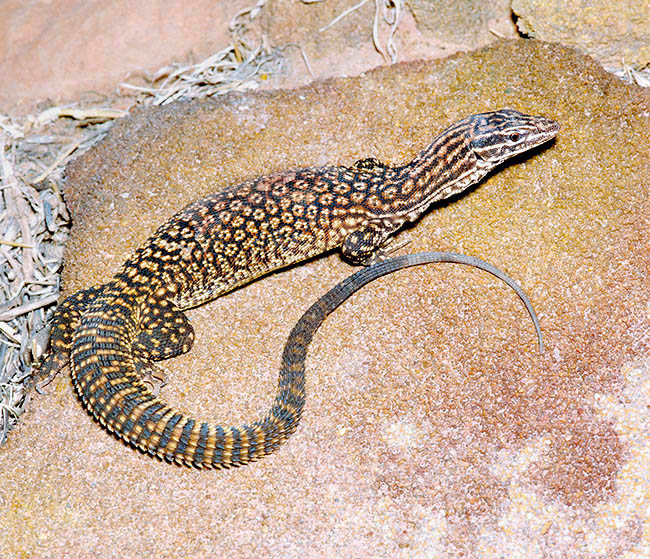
(385, 251)
(152, 375)
(44, 373)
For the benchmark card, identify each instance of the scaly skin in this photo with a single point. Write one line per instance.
(112, 333)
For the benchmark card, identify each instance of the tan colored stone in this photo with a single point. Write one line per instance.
(60, 49)
(464, 22)
(432, 426)
(612, 32)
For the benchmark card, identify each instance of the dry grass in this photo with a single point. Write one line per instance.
(34, 225)
(387, 11)
(630, 75)
(239, 66)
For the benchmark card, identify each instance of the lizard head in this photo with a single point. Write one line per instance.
(499, 135)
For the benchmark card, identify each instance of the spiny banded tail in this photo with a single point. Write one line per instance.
(104, 375)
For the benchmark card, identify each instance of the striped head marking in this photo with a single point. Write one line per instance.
(499, 135)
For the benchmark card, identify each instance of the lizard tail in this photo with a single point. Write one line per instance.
(104, 375)
(105, 378)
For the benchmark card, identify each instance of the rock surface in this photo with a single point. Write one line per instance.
(65, 48)
(464, 22)
(612, 32)
(432, 426)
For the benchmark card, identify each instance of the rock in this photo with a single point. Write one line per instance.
(432, 426)
(612, 32)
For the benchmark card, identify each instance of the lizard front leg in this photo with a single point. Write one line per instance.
(368, 244)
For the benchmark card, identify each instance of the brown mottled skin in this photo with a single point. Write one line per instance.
(112, 334)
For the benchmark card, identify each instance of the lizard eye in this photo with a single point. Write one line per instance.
(514, 137)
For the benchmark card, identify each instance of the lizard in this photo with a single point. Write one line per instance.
(112, 334)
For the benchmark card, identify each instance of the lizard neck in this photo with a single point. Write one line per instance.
(444, 168)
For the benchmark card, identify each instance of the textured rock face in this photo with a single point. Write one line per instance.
(66, 47)
(464, 22)
(432, 427)
(62, 49)
(611, 32)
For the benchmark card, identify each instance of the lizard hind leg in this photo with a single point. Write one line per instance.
(65, 321)
(165, 333)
